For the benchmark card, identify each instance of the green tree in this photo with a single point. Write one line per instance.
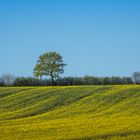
(49, 64)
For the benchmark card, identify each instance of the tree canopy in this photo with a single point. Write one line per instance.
(49, 64)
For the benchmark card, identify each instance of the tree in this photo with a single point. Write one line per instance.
(136, 77)
(49, 64)
(8, 79)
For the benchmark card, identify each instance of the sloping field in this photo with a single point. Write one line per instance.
(70, 113)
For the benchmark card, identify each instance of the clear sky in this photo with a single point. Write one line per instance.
(95, 37)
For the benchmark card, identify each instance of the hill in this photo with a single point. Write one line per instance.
(70, 113)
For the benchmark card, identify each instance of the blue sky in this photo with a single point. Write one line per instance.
(95, 37)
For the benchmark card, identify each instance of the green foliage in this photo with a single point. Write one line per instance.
(49, 64)
(73, 113)
(87, 80)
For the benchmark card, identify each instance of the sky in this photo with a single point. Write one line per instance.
(95, 37)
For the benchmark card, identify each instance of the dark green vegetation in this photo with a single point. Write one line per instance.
(82, 112)
(49, 64)
(87, 80)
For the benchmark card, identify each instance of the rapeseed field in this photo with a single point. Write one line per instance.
(70, 113)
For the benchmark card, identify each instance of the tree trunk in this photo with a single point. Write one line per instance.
(52, 80)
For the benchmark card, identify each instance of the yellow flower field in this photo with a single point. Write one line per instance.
(70, 113)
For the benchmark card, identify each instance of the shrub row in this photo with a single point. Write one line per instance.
(67, 81)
